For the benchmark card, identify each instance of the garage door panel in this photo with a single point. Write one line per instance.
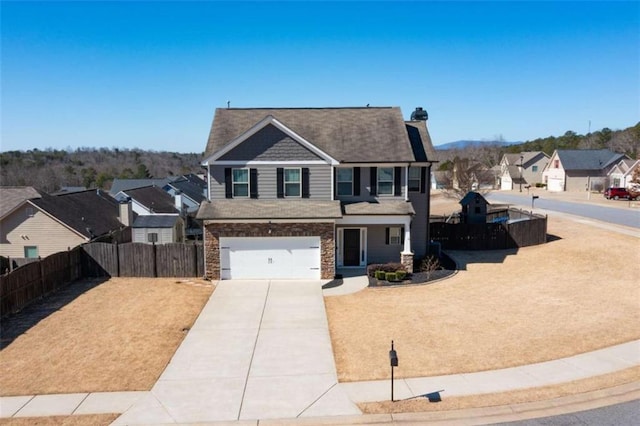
(269, 258)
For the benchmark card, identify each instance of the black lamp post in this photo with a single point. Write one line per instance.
(520, 167)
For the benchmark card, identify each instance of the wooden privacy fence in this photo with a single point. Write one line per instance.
(145, 260)
(530, 230)
(37, 279)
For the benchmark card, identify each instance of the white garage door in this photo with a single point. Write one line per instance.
(270, 258)
(555, 184)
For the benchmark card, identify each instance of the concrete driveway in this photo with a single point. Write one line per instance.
(258, 350)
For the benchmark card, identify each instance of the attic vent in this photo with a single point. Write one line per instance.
(419, 114)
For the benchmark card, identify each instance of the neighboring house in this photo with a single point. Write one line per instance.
(48, 224)
(621, 174)
(522, 169)
(159, 220)
(579, 169)
(438, 179)
(119, 185)
(187, 194)
(160, 229)
(299, 192)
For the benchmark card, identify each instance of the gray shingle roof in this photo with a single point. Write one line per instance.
(13, 196)
(270, 209)
(153, 198)
(92, 213)
(155, 221)
(189, 189)
(421, 141)
(346, 134)
(588, 159)
(128, 184)
(378, 208)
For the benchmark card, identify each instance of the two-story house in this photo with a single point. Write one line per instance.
(522, 169)
(579, 169)
(300, 192)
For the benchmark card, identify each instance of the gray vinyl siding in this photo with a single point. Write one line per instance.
(365, 188)
(165, 235)
(319, 181)
(270, 144)
(377, 249)
(419, 224)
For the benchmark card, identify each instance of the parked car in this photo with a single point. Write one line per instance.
(617, 193)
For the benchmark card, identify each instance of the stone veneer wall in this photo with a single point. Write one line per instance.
(407, 261)
(213, 231)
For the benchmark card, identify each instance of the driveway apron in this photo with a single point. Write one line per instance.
(258, 350)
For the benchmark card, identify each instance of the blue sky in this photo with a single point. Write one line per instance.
(150, 75)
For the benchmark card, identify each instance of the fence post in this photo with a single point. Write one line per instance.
(41, 276)
(195, 260)
(117, 260)
(69, 274)
(155, 261)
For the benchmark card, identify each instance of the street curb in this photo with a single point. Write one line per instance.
(482, 416)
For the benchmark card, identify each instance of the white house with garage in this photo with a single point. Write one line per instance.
(298, 193)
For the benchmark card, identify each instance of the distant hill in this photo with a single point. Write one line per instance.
(471, 143)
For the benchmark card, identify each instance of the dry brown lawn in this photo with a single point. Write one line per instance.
(115, 336)
(80, 420)
(505, 308)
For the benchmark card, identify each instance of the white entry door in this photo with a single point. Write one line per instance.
(270, 258)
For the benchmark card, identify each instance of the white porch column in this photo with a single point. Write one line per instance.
(407, 236)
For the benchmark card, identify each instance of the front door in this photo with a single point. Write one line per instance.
(351, 247)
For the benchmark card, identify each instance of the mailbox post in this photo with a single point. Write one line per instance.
(393, 360)
(533, 198)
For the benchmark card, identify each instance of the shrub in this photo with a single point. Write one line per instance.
(391, 276)
(380, 275)
(429, 264)
(401, 274)
(386, 267)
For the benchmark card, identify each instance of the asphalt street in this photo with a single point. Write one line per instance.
(630, 217)
(625, 414)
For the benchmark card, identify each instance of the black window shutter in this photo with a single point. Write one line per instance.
(423, 179)
(397, 175)
(305, 182)
(386, 236)
(373, 175)
(253, 183)
(280, 181)
(335, 183)
(228, 188)
(402, 235)
(356, 181)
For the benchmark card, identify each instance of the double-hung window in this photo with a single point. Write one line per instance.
(345, 181)
(292, 182)
(395, 235)
(414, 179)
(240, 182)
(385, 180)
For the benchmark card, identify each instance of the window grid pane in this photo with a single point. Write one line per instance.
(385, 181)
(414, 179)
(345, 181)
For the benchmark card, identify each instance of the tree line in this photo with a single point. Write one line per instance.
(50, 170)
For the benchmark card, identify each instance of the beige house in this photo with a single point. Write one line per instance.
(522, 169)
(45, 224)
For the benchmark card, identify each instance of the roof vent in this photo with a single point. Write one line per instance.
(419, 114)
